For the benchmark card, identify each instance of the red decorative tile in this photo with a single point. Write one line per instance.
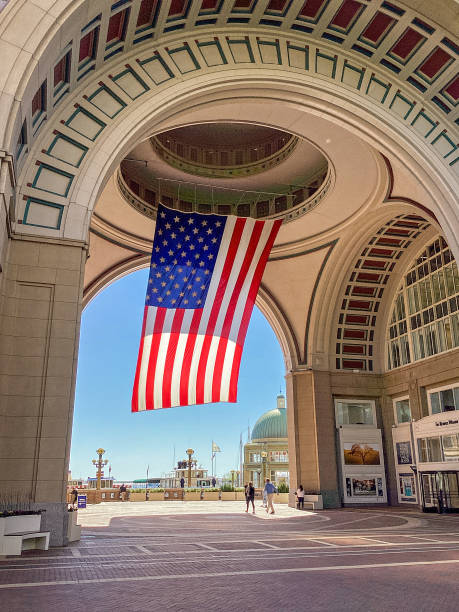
(178, 8)
(147, 12)
(277, 5)
(435, 63)
(355, 334)
(374, 264)
(116, 26)
(452, 89)
(368, 277)
(354, 349)
(352, 319)
(377, 29)
(375, 252)
(360, 305)
(367, 291)
(312, 9)
(407, 44)
(346, 15)
(353, 364)
(88, 45)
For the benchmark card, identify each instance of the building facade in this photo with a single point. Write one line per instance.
(266, 454)
(338, 117)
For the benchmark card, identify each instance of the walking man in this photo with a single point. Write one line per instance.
(270, 489)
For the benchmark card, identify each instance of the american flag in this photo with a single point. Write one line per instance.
(204, 277)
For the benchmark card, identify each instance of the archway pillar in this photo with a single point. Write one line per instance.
(311, 435)
(40, 308)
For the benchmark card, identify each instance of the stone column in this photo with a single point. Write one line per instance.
(40, 309)
(311, 435)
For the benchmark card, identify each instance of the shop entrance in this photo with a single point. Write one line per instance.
(440, 491)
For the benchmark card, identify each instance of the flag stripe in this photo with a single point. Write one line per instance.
(219, 295)
(236, 265)
(179, 362)
(135, 393)
(188, 357)
(241, 301)
(154, 337)
(170, 358)
(228, 312)
(249, 307)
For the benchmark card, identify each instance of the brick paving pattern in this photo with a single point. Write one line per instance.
(219, 558)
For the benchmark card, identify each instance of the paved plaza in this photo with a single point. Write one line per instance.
(200, 556)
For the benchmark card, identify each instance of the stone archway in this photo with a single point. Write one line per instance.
(351, 107)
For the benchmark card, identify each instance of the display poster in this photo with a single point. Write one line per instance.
(364, 487)
(361, 454)
(404, 456)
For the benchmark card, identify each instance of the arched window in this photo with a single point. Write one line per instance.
(425, 316)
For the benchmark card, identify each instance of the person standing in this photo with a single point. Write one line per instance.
(270, 489)
(123, 490)
(300, 497)
(73, 497)
(250, 496)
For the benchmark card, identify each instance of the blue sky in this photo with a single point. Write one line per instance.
(109, 342)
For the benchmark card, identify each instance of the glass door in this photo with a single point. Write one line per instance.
(429, 490)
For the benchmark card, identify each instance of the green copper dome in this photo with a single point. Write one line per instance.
(272, 424)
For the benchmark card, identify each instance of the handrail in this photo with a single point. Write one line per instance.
(218, 171)
(293, 211)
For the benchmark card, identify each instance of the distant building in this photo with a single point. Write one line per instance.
(266, 455)
(199, 476)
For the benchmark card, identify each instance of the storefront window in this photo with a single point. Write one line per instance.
(438, 449)
(434, 449)
(355, 412)
(402, 410)
(422, 446)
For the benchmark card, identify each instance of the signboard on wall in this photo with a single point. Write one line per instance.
(404, 456)
(356, 453)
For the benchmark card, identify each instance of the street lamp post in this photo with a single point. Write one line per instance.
(189, 452)
(99, 463)
(264, 456)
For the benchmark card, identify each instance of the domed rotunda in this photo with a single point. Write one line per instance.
(266, 455)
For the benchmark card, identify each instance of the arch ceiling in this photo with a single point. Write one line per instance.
(85, 82)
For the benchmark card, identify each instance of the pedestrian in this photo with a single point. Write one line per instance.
(250, 496)
(182, 482)
(300, 497)
(73, 497)
(270, 489)
(123, 490)
(214, 482)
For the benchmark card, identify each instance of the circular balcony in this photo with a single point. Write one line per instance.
(230, 154)
(290, 205)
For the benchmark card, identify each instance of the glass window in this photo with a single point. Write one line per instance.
(425, 308)
(450, 445)
(355, 412)
(447, 400)
(435, 403)
(444, 400)
(422, 449)
(434, 449)
(403, 410)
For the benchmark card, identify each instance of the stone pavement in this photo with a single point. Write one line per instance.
(200, 556)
